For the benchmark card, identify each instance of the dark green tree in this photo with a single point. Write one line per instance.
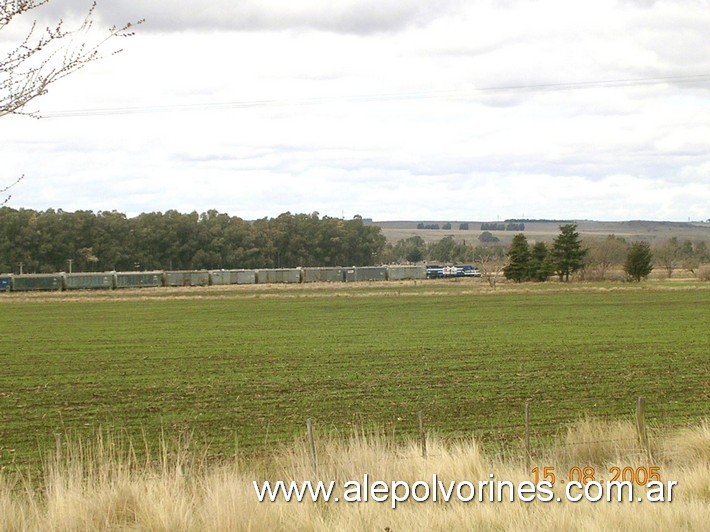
(518, 268)
(449, 250)
(540, 266)
(412, 249)
(639, 261)
(567, 252)
(47, 241)
(488, 238)
(443, 250)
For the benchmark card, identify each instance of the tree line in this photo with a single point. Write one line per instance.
(594, 258)
(446, 226)
(45, 241)
(485, 226)
(509, 226)
(568, 254)
(446, 250)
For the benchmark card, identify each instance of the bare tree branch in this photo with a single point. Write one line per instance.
(44, 57)
(7, 198)
(491, 260)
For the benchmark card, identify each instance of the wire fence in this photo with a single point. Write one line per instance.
(573, 437)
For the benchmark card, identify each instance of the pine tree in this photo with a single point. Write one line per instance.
(518, 269)
(567, 252)
(639, 261)
(540, 265)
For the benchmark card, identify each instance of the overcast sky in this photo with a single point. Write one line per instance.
(391, 109)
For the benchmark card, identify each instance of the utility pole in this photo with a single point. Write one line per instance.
(21, 264)
(70, 262)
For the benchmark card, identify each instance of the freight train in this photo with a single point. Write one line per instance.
(116, 280)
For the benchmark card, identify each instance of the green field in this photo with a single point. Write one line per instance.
(245, 369)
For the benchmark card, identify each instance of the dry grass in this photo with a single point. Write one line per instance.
(102, 486)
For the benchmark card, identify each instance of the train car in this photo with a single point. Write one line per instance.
(5, 283)
(399, 273)
(366, 273)
(139, 279)
(439, 272)
(37, 282)
(327, 274)
(467, 270)
(434, 271)
(226, 277)
(221, 277)
(282, 275)
(246, 276)
(90, 281)
(187, 278)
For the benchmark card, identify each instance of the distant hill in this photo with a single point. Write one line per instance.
(547, 230)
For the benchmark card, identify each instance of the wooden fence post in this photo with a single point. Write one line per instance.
(312, 445)
(641, 426)
(58, 447)
(527, 434)
(422, 434)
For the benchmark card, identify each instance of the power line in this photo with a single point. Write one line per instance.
(434, 94)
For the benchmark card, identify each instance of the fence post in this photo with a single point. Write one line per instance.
(422, 434)
(527, 434)
(312, 445)
(58, 447)
(641, 426)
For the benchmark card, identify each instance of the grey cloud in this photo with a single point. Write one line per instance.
(360, 17)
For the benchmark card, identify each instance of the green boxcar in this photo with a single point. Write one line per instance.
(366, 273)
(284, 275)
(222, 277)
(187, 278)
(314, 275)
(138, 279)
(245, 276)
(398, 273)
(39, 281)
(89, 281)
